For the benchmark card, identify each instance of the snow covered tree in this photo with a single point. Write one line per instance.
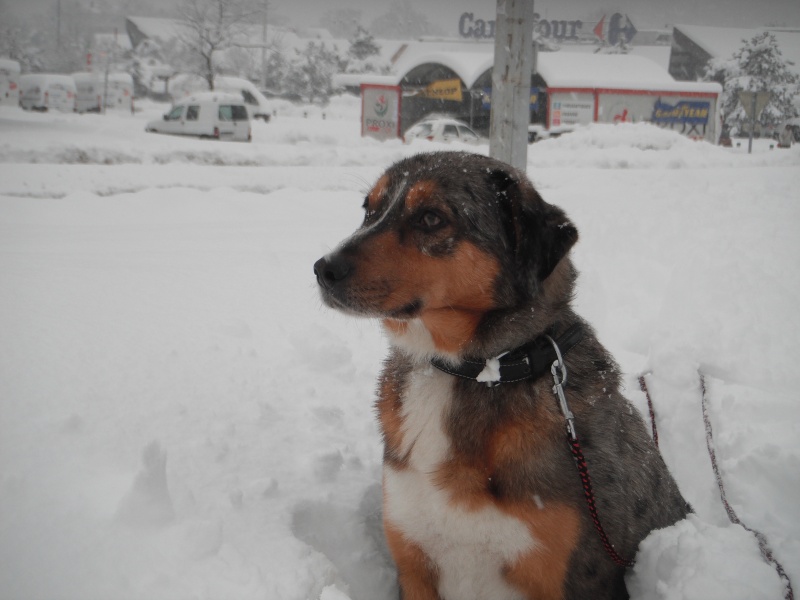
(342, 22)
(210, 27)
(402, 22)
(758, 66)
(363, 45)
(311, 73)
(364, 54)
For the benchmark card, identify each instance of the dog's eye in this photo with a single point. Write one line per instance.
(430, 220)
(368, 213)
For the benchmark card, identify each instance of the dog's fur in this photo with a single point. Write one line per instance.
(460, 257)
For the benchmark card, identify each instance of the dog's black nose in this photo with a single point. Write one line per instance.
(332, 269)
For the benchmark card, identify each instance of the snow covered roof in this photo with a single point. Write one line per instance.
(722, 42)
(613, 71)
(469, 66)
(8, 65)
(558, 69)
(252, 35)
(572, 66)
(117, 77)
(161, 29)
(564, 69)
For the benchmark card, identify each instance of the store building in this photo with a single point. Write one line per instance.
(567, 89)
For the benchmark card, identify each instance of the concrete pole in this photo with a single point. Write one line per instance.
(264, 45)
(511, 82)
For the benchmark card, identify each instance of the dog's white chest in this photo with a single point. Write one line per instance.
(470, 547)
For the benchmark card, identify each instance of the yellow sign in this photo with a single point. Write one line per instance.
(444, 89)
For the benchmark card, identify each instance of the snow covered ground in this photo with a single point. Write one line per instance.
(180, 417)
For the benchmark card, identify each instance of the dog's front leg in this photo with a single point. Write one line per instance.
(415, 573)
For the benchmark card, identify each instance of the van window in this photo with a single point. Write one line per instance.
(175, 113)
(192, 112)
(249, 98)
(232, 112)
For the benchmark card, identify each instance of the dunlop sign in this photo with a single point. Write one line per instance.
(380, 111)
(444, 89)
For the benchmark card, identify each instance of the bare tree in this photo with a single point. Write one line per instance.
(403, 22)
(209, 27)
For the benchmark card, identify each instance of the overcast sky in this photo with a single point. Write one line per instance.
(649, 14)
(445, 13)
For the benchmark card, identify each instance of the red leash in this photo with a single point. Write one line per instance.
(766, 551)
(583, 471)
(577, 454)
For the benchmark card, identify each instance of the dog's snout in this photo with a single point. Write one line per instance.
(332, 269)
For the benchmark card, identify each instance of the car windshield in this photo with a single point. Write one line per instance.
(174, 114)
(421, 129)
(467, 133)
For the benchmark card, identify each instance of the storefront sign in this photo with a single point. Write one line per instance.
(380, 111)
(689, 112)
(444, 89)
(571, 109)
(688, 115)
(470, 27)
(617, 28)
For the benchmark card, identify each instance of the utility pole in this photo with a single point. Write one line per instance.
(58, 24)
(264, 46)
(511, 82)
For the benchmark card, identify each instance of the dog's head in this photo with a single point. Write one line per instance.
(447, 239)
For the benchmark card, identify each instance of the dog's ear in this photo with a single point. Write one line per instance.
(539, 233)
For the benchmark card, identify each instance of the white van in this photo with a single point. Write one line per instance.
(119, 93)
(92, 87)
(88, 92)
(212, 115)
(9, 82)
(257, 105)
(44, 91)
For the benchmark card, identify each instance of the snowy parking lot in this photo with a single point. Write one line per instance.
(181, 417)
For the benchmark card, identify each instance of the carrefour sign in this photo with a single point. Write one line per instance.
(617, 27)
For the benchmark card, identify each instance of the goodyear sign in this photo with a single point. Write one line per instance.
(685, 111)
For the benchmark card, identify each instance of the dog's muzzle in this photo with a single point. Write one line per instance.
(332, 270)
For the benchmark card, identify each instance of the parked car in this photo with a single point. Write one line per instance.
(210, 115)
(537, 132)
(442, 130)
(44, 91)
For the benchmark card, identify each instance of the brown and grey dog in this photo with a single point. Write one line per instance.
(462, 261)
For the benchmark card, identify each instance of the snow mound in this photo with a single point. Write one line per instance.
(695, 560)
(643, 146)
(148, 502)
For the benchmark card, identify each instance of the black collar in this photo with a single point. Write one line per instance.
(526, 362)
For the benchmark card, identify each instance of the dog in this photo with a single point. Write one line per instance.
(468, 270)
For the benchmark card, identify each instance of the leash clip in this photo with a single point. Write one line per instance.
(558, 389)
